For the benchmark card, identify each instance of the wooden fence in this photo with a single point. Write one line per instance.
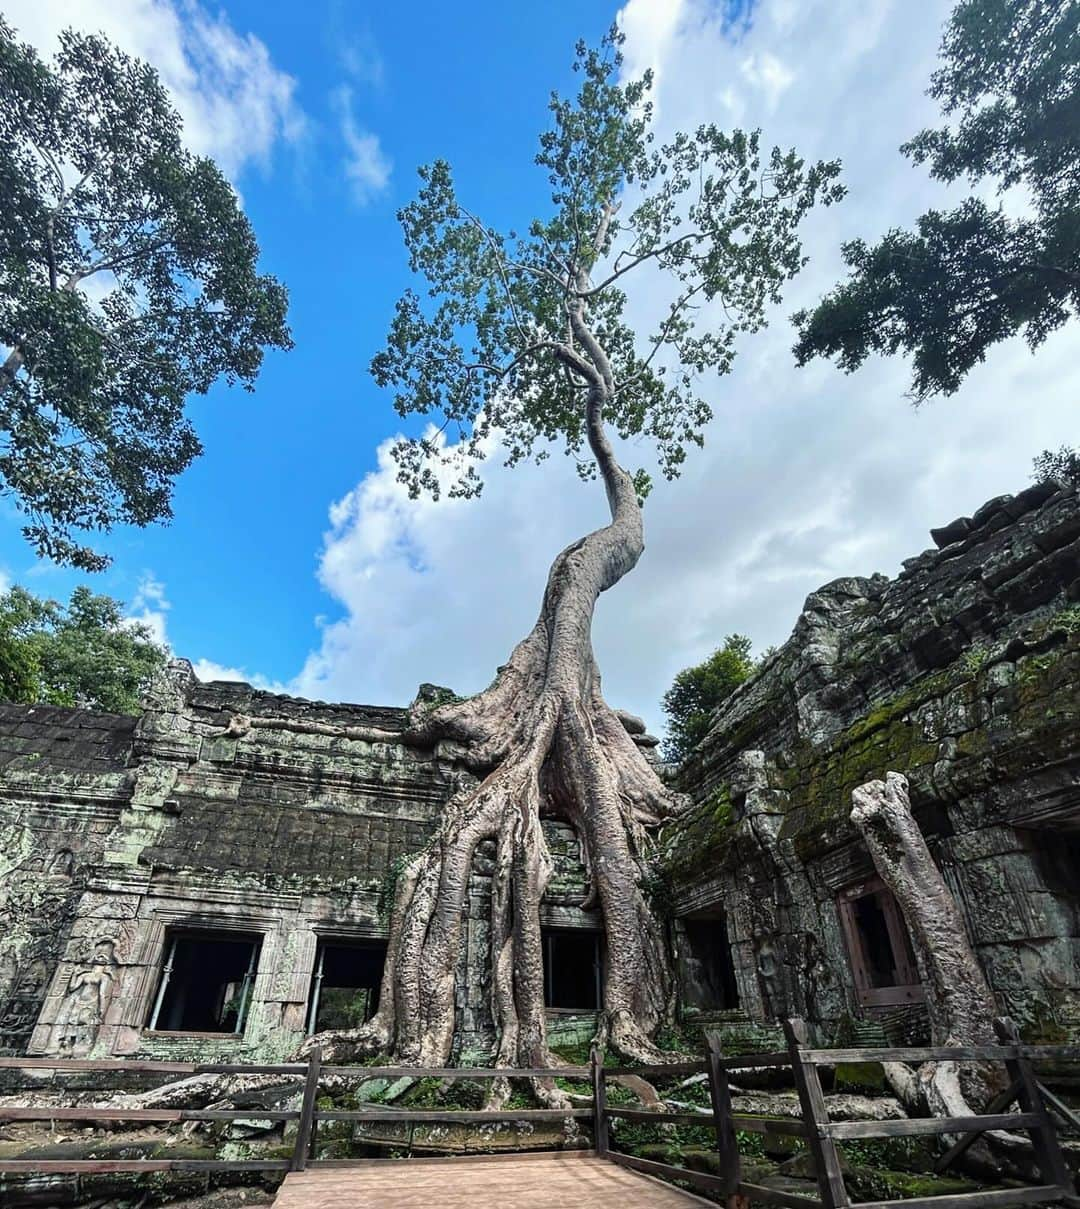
(822, 1134)
(307, 1116)
(1034, 1115)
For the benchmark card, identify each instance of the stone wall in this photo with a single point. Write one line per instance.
(64, 781)
(117, 833)
(962, 672)
(117, 830)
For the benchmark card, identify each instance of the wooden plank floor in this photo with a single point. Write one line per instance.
(558, 1181)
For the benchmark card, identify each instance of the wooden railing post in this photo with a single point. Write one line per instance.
(830, 1177)
(727, 1145)
(1044, 1139)
(599, 1095)
(305, 1129)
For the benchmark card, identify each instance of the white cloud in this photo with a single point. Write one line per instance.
(649, 27)
(366, 167)
(150, 607)
(807, 475)
(207, 670)
(361, 60)
(235, 103)
(768, 76)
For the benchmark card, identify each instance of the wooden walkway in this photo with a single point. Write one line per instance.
(521, 1181)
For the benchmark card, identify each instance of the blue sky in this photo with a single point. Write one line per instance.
(249, 513)
(292, 557)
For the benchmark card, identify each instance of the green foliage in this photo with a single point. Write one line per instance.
(970, 277)
(388, 887)
(655, 883)
(127, 282)
(719, 802)
(1067, 619)
(493, 347)
(85, 654)
(698, 690)
(975, 658)
(1064, 464)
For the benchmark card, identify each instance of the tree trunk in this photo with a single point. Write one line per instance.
(545, 743)
(959, 1000)
(11, 366)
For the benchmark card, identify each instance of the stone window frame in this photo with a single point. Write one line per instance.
(172, 936)
(166, 919)
(343, 934)
(910, 989)
(715, 914)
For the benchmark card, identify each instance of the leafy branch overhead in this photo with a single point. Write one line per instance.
(128, 281)
(496, 344)
(965, 279)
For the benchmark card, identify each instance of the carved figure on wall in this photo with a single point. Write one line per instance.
(815, 973)
(9, 974)
(32, 981)
(88, 994)
(768, 968)
(60, 865)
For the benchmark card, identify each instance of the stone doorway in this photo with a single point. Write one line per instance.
(573, 969)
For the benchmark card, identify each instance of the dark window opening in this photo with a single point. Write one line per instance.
(882, 959)
(573, 970)
(708, 972)
(345, 986)
(206, 982)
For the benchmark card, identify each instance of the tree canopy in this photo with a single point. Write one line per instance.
(128, 281)
(85, 654)
(494, 349)
(965, 279)
(1062, 464)
(698, 690)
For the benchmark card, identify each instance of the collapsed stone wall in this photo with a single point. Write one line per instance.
(962, 672)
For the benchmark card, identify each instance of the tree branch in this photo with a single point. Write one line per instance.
(593, 290)
(661, 338)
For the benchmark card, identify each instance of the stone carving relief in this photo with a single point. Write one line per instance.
(22, 986)
(35, 892)
(86, 999)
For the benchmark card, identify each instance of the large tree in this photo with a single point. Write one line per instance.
(85, 654)
(128, 281)
(519, 340)
(964, 279)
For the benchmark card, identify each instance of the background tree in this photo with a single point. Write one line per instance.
(127, 282)
(520, 340)
(970, 277)
(1063, 464)
(698, 690)
(86, 654)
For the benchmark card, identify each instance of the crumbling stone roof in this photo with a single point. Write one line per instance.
(55, 737)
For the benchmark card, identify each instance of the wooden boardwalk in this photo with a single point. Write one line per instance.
(516, 1181)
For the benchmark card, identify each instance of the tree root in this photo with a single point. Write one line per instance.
(543, 743)
(960, 1002)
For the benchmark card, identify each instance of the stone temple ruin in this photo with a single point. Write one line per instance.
(172, 888)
